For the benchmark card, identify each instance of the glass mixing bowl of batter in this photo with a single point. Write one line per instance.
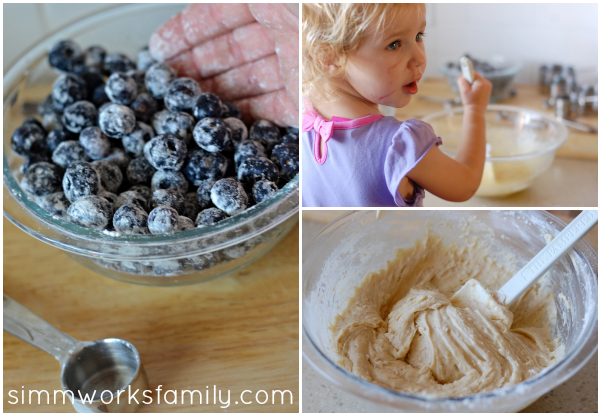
(521, 145)
(341, 256)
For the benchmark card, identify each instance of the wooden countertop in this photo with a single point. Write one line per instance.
(238, 332)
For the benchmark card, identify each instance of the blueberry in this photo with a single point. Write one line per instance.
(173, 180)
(166, 152)
(46, 106)
(229, 196)
(134, 142)
(139, 77)
(79, 115)
(117, 62)
(132, 198)
(57, 136)
(131, 219)
(42, 178)
(255, 169)
(91, 212)
(157, 121)
(145, 60)
(110, 175)
(203, 193)
(192, 208)
(33, 121)
(265, 132)
(65, 56)
(99, 96)
(292, 130)
(56, 204)
(144, 106)
(94, 142)
(238, 129)
(290, 138)
(109, 196)
(91, 76)
(212, 134)
(168, 198)
(32, 160)
(185, 223)
(140, 171)
(210, 216)
(158, 78)
(51, 119)
(80, 180)
(264, 190)
(207, 105)
(163, 220)
(66, 90)
(202, 165)
(69, 152)
(94, 56)
(181, 95)
(142, 190)
(121, 89)
(286, 158)
(247, 149)
(230, 110)
(27, 140)
(119, 158)
(181, 124)
(116, 120)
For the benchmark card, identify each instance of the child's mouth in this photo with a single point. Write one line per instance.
(410, 88)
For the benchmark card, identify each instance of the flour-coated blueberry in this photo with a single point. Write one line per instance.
(212, 134)
(286, 157)
(207, 105)
(203, 193)
(238, 129)
(134, 142)
(181, 95)
(290, 138)
(264, 190)
(163, 220)
(42, 178)
(247, 149)
(209, 216)
(116, 120)
(91, 76)
(255, 169)
(121, 89)
(117, 62)
(140, 171)
(142, 190)
(139, 77)
(131, 219)
(174, 180)
(158, 78)
(79, 115)
(157, 120)
(168, 198)
(110, 175)
(80, 180)
(27, 140)
(166, 152)
(132, 198)
(144, 106)
(229, 196)
(230, 110)
(180, 124)
(94, 56)
(145, 59)
(65, 56)
(266, 133)
(185, 223)
(32, 160)
(91, 212)
(56, 204)
(119, 158)
(94, 142)
(109, 196)
(69, 152)
(66, 90)
(202, 165)
(57, 136)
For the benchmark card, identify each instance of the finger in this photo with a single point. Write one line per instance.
(255, 78)
(244, 44)
(195, 24)
(275, 106)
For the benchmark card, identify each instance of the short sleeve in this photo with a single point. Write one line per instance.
(409, 144)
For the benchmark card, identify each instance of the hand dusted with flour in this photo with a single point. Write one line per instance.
(247, 54)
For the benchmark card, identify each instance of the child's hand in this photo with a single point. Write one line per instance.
(477, 95)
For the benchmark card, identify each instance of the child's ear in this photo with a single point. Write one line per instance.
(327, 60)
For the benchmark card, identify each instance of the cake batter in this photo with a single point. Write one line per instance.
(406, 328)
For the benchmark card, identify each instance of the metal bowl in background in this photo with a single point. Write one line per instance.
(187, 257)
(521, 145)
(500, 78)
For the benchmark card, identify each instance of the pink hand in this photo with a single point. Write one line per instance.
(245, 54)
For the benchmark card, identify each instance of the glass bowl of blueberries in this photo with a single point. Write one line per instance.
(497, 69)
(135, 173)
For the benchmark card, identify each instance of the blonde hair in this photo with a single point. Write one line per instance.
(332, 31)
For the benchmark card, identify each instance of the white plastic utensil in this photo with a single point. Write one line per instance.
(467, 69)
(476, 297)
(548, 256)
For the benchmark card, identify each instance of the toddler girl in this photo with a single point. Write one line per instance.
(356, 56)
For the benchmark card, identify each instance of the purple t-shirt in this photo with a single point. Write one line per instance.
(364, 162)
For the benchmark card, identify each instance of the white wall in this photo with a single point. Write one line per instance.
(27, 23)
(532, 33)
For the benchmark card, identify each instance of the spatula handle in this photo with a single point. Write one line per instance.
(467, 69)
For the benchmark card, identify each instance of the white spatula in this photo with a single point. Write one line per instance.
(474, 296)
(467, 69)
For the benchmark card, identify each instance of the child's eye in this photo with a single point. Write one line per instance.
(394, 45)
(420, 37)
(422, 34)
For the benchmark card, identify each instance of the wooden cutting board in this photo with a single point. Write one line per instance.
(238, 332)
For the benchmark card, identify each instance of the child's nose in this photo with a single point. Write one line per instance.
(419, 58)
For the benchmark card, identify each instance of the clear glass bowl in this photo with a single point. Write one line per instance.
(501, 80)
(188, 257)
(521, 145)
(347, 249)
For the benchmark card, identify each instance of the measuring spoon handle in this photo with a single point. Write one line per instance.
(24, 324)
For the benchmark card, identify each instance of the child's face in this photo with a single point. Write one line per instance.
(386, 62)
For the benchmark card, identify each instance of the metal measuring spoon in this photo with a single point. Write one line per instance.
(87, 367)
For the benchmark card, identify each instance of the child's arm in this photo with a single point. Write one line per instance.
(458, 179)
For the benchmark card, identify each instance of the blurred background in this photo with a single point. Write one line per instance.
(27, 24)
